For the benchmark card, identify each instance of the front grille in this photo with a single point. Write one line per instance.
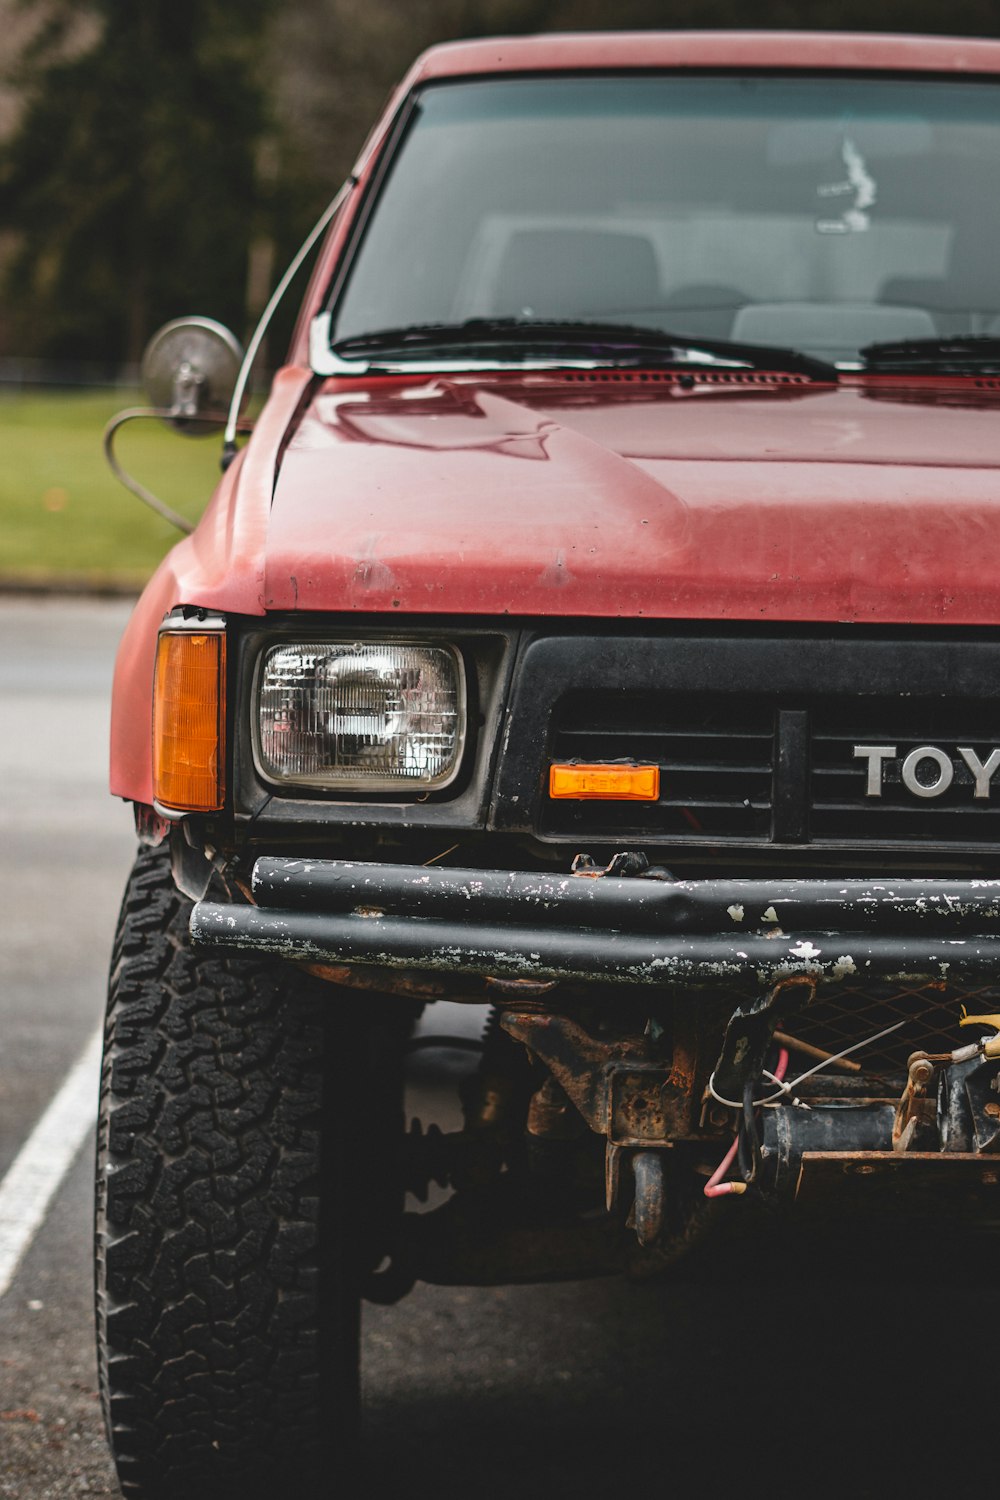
(754, 733)
(766, 769)
(839, 807)
(715, 753)
(759, 770)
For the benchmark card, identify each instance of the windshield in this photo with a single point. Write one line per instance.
(821, 213)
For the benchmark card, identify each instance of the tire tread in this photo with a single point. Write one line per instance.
(216, 1374)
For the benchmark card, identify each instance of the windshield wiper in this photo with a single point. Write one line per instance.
(965, 354)
(613, 342)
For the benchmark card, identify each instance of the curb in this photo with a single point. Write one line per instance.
(68, 586)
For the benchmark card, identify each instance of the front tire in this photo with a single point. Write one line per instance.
(227, 1308)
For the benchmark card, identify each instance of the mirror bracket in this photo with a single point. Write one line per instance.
(189, 384)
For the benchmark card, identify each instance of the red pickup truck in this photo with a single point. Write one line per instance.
(600, 623)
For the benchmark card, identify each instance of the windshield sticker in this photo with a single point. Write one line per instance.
(860, 182)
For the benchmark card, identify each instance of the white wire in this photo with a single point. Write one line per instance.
(718, 1097)
(785, 1088)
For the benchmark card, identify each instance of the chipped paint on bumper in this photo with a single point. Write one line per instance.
(625, 931)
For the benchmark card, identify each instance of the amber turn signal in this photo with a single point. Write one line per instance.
(189, 696)
(605, 783)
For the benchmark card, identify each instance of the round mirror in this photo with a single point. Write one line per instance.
(189, 371)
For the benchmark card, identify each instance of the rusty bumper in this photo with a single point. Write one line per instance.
(745, 936)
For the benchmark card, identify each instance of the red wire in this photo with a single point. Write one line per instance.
(715, 1187)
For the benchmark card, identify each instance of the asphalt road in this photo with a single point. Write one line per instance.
(805, 1365)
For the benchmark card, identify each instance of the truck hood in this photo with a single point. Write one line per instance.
(573, 494)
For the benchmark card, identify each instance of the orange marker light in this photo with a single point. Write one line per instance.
(605, 783)
(189, 695)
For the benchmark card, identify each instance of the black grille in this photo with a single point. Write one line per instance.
(754, 734)
(770, 769)
(840, 808)
(714, 752)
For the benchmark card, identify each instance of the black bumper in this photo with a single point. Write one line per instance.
(743, 936)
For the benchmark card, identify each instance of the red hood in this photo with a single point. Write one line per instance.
(557, 496)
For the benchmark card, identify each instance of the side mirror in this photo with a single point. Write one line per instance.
(189, 373)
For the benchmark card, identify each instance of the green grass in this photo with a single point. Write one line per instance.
(63, 516)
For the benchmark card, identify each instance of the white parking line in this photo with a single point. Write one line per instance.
(45, 1158)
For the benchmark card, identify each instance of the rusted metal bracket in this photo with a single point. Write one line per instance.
(968, 1111)
(640, 1105)
(751, 1030)
(915, 1125)
(619, 1090)
(627, 863)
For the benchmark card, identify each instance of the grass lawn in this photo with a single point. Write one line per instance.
(63, 516)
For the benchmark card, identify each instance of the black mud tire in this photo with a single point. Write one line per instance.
(227, 1311)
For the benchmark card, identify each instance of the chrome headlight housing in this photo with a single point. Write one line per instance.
(379, 716)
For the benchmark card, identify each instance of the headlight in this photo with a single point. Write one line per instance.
(380, 716)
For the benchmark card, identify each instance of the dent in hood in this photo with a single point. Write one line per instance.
(459, 497)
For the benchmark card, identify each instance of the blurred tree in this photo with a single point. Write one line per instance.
(960, 18)
(172, 160)
(338, 58)
(131, 180)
